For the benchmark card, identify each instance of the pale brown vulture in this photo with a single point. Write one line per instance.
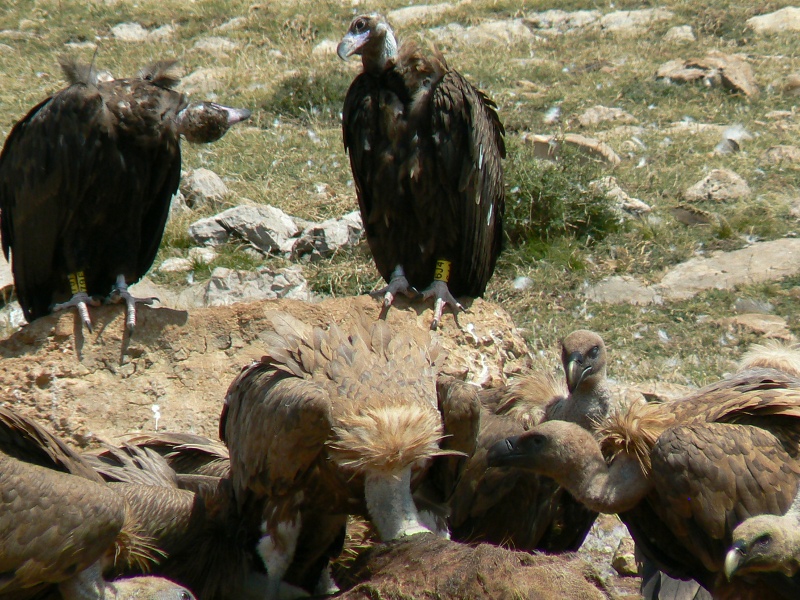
(425, 149)
(768, 546)
(86, 179)
(682, 474)
(61, 526)
(507, 505)
(332, 423)
(205, 544)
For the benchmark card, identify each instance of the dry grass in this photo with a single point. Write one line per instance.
(290, 153)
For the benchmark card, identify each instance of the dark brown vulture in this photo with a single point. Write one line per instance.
(332, 423)
(206, 545)
(425, 149)
(61, 526)
(682, 474)
(507, 505)
(86, 179)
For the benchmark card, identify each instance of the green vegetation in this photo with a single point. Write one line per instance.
(562, 234)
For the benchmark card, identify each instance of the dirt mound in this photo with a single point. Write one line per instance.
(173, 374)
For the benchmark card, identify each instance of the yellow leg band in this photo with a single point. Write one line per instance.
(442, 272)
(77, 282)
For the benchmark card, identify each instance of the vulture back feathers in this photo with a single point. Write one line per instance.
(331, 423)
(425, 149)
(86, 179)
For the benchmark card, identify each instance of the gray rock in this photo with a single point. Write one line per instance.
(626, 205)
(785, 19)
(129, 32)
(503, 33)
(205, 81)
(716, 68)
(751, 305)
(624, 560)
(633, 21)
(176, 265)
(267, 228)
(208, 232)
(6, 278)
(216, 45)
(228, 286)
(763, 261)
(599, 114)
(233, 24)
(560, 21)
(164, 32)
(178, 205)
(202, 186)
(202, 256)
(323, 239)
(783, 154)
(720, 185)
(682, 34)
(416, 14)
(11, 318)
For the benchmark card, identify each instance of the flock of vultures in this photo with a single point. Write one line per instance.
(356, 423)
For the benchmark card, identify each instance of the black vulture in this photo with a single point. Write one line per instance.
(425, 148)
(86, 179)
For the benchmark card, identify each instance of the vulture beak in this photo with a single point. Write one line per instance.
(235, 115)
(351, 43)
(505, 453)
(576, 371)
(734, 559)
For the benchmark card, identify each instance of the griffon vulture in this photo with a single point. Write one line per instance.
(681, 474)
(338, 422)
(425, 149)
(86, 179)
(507, 505)
(61, 526)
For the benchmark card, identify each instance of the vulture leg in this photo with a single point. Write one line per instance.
(120, 293)
(439, 290)
(79, 300)
(397, 284)
(390, 504)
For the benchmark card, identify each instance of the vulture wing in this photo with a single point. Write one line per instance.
(468, 145)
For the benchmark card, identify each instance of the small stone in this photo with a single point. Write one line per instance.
(228, 286)
(624, 561)
(161, 33)
(266, 227)
(751, 305)
(202, 256)
(495, 33)
(599, 114)
(691, 215)
(216, 45)
(625, 204)
(559, 21)
(720, 185)
(415, 14)
(681, 34)
(205, 81)
(203, 186)
(622, 289)
(633, 21)
(522, 283)
(129, 32)
(770, 326)
(175, 265)
(781, 154)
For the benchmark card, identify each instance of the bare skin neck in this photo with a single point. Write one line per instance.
(607, 488)
(377, 58)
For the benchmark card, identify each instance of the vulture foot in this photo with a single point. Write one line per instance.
(119, 294)
(398, 285)
(440, 291)
(81, 300)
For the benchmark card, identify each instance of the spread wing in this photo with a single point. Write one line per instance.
(710, 477)
(187, 453)
(468, 148)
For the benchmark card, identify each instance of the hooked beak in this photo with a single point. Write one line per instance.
(350, 44)
(504, 453)
(235, 115)
(733, 560)
(576, 371)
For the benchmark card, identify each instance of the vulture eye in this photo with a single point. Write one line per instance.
(359, 24)
(537, 440)
(594, 352)
(763, 539)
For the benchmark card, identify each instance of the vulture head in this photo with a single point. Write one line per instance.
(583, 355)
(371, 37)
(149, 588)
(571, 456)
(764, 543)
(774, 354)
(204, 122)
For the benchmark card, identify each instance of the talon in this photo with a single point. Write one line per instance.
(439, 290)
(81, 302)
(119, 294)
(398, 284)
